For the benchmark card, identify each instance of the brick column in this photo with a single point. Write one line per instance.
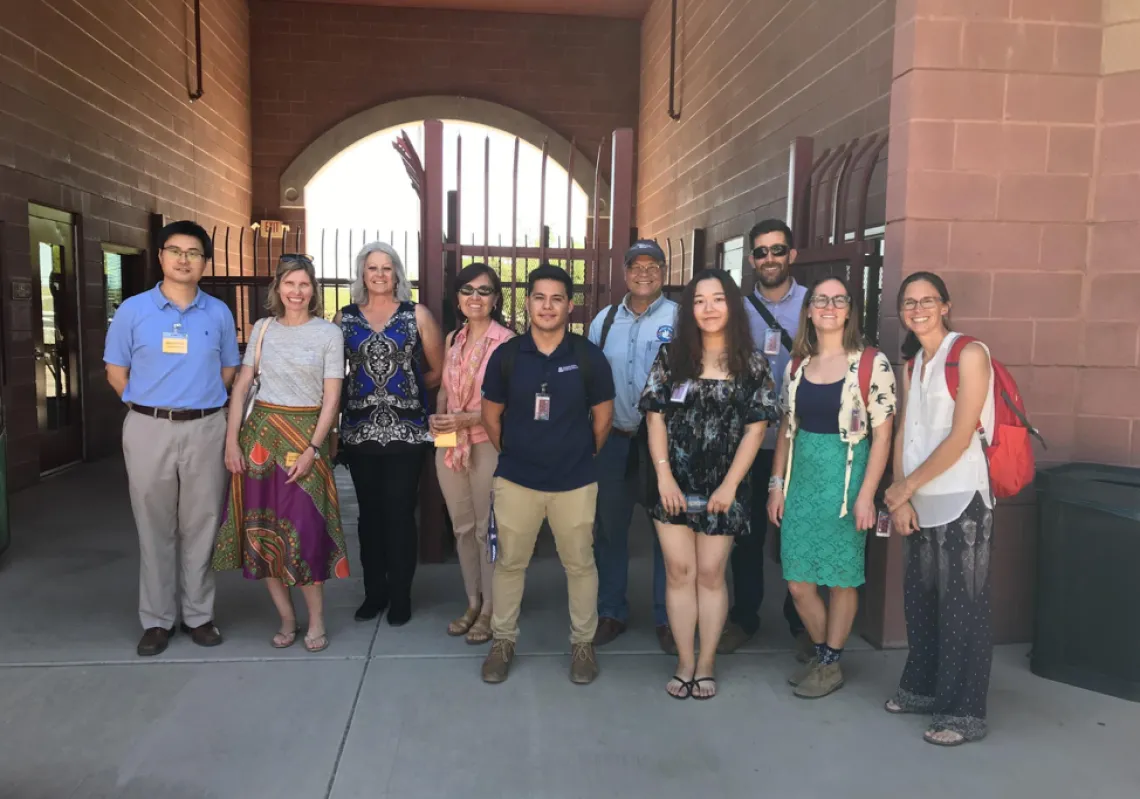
(992, 164)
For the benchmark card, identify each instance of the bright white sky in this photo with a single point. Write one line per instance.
(364, 194)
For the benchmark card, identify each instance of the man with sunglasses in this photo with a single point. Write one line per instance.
(630, 333)
(171, 354)
(773, 310)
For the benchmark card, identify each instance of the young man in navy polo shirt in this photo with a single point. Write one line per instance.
(171, 354)
(548, 403)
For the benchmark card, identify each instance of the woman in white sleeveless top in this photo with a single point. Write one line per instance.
(942, 501)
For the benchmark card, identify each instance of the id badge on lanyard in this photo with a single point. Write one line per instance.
(680, 391)
(772, 342)
(176, 342)
(542, 405)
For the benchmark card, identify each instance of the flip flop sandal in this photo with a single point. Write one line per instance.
(311, 643)
(686, 688)
(897, 710)
(290, 639)
(464, 623)
(696, 682)
(928, 736)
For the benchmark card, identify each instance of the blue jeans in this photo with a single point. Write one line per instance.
(617, 494)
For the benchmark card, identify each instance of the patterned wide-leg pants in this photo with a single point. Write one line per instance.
(947, 606)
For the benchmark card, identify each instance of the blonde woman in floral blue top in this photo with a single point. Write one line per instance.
(832, 450)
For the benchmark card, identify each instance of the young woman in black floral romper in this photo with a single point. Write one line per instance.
(708, 401)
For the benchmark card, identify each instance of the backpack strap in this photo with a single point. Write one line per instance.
(866, 371)
(796, 362)
(607, 323)
(766, 315)
(952, 359)
(581, 347)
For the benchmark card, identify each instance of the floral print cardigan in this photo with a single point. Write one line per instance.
(881, 400)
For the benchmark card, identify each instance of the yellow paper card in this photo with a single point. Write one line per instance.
(445, 440)
(290, 459)
(176, 345)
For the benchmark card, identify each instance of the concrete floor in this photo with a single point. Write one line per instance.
(402, 713)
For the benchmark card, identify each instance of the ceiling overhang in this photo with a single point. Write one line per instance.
(625, 9)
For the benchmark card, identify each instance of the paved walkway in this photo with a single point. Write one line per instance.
(402, 713)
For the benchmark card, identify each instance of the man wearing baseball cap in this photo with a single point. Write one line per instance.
(629, 333)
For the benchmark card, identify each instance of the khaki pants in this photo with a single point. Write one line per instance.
(468, 498)
(519, 513)
(178, 481)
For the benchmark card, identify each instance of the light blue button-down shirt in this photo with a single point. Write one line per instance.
(786, 311)
(190, 381)
(631, 347)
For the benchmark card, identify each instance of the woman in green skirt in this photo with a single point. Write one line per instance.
(835, 439)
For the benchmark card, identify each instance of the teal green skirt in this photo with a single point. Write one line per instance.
(816, 545)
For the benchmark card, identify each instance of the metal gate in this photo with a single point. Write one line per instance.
(245, 258)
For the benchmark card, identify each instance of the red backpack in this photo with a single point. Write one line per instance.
(1008, 449)
(866, 369)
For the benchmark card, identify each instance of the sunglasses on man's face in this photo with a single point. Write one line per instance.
(777, 251)
(482, 291)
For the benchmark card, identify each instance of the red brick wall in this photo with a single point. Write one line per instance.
(95, 119)
(316, 65)
(751, 76)
(997, 182)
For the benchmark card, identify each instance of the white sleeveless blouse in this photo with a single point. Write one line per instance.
(929, 417)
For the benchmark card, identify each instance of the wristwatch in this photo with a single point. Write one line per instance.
(316, 450)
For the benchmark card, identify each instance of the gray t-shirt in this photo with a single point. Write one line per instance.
(295, 360)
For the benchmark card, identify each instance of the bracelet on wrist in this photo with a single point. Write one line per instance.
(775, 482)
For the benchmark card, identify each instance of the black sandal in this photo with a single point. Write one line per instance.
(697, 681)
(686, 688)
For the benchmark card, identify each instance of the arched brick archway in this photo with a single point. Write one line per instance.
(291, 190)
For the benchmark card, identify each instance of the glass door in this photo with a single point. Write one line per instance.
(55, 316)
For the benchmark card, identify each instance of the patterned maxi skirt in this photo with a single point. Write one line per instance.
(274, 529)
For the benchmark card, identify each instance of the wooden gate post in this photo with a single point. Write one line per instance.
(433, 524)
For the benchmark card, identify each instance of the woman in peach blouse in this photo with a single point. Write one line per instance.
(466, 469)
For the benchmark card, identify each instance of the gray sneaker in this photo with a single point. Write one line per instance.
(498, 663)
(583, 664)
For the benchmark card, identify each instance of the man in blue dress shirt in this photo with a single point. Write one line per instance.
(171, 354)
(773, 311)
(630, 333)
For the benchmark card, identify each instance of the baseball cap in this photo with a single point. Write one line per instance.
(645, 247)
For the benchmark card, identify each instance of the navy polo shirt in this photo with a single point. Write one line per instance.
(557, 454)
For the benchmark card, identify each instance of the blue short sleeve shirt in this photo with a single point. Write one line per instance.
(175, 355)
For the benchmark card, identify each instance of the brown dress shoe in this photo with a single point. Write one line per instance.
(608, 630)
(497, 664)
(733, 637)
(583, 664)
(154, 641)
(203, 635)
(665, 639)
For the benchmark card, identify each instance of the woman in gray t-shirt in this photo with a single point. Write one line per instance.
(281, 522)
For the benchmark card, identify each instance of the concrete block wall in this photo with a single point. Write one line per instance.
(751, 76)
(95, 119)
(318, 64)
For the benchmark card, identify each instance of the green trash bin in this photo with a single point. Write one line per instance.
(1087, 626)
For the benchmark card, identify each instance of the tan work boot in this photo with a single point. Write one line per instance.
(497, 665)
(822, 681)
(732, 638)
(803, 672)
(583, 664)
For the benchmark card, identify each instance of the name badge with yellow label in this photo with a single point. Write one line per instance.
(176, 342)
(291, 459)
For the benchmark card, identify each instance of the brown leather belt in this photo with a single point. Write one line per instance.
(173, 415)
